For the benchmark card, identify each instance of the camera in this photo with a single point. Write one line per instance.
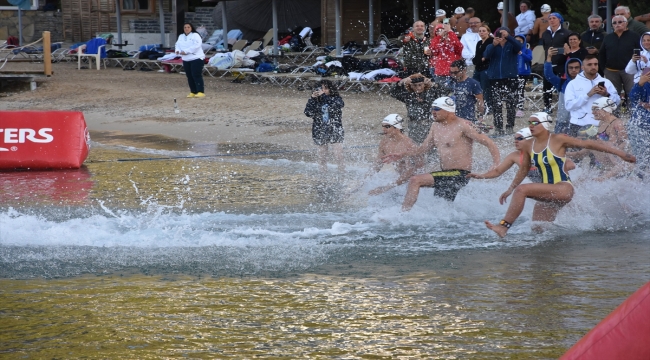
(637, 52)
(497, 35)
(601, 84)
(560, 51)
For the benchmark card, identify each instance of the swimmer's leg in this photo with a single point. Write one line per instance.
(544, 212)
(415, 183)
(337, 150)
(322, 157)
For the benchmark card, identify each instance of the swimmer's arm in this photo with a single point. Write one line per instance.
(598, 146)
(426, 145)
(484, 140)
(519, 177)
(507, 163)
(569, 165)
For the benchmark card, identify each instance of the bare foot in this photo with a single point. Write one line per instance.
(500, 230)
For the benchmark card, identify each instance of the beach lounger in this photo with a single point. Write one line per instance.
(239, 45)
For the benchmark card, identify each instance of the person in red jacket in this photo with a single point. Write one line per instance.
(445, 48)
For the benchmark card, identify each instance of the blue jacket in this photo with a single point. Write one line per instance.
(559, 83)
(525, 58)
(640, 116)
(503, 59)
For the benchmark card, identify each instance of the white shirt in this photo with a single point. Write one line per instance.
(526, 22)
(579, 104)
(469, 41)
(191, 45)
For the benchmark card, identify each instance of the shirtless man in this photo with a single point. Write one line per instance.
(395, 141)
(454, 137)
(541, 24)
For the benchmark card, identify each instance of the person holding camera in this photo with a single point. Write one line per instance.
(582, 91)
(640, 58)
(325, 107)
(592, 39)
(415, 49)
(555, 36)
(445, 48)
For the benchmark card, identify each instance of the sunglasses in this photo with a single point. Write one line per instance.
(436, 109)
(618, 22)
(535, 122)
(387, 126)
(520, 138)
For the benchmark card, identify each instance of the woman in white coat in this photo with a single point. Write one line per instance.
(189, 47)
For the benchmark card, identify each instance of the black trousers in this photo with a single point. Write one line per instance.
(548, 88)
(194, 72)
(504, 90)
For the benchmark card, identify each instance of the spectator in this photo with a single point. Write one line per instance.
(459, 13)
(413, 50)
(632, 25)
(582, 91)
(467, 92)
(445, 48)
(541, 24)
(573, 48)
(470, 39)
(617, 48)
(524, 60)
(555, 36)
(525, 20)
(417, 93)
(188, 46)
(325, 107)
(502, 73)
(639, 124)
(512, 21)
(441, 16)
(573, 67)
(641, 60)
(645, 18)
(464, 22)
(482, 64)
(592, 39)
(394, 141)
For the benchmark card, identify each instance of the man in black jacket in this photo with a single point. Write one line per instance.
(416, 59)
(616, 52)
(555, 36)
(592, 39)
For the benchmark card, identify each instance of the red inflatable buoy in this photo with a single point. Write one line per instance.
(43, 140)
(623, 334)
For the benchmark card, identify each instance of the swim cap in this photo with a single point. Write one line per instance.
(588, 132)
(525, 132)
(459, 10)
(500, 6)
(440, 13)
(544, 118)
(557, 15)
(545, 8)
(604, 103)
(393, 120)
(445, 103)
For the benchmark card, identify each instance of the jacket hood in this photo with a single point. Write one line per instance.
(566, 65)
(641, 42)
(523, 37)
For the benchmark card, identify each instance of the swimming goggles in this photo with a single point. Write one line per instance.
(536, 122)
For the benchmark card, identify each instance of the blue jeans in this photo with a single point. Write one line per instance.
(482, 78)
(194, 72)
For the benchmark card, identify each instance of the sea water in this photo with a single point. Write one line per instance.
(260, 256)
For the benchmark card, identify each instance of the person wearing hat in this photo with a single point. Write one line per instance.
(541, 24)
(525, 19)
(394, 141)
(639, 124)
(512, 21)
(415, 50)
(516, 158)
(454, 139)
(546, 152)
(554, 36)
(441, 17)
(417, 93)
(572, 69)
(463, 23)
(459, 13)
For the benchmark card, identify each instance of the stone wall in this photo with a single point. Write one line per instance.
(202, 16)
(38, 20)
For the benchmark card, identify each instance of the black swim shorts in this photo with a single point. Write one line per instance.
(447, 183)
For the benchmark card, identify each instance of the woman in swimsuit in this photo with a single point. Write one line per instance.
(547, 152)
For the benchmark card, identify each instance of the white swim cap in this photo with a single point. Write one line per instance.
(525, 132)
(459, 10)
(393, 120)
(546, 8)
(445, 103)
(500, 6)
(440, 13)
(543, 118)
(604, 103)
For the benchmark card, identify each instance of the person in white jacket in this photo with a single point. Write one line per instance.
(189, 47)
(640, 61)
(582, 91)
(470, 39)
(525, 20)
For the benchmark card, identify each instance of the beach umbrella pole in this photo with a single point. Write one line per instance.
(162, 23)
(224, 22)
(337, 12)
(20, 27)
(274, 10)
(371, 21)
(416, 13)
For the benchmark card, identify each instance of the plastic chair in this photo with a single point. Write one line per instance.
(97, 57)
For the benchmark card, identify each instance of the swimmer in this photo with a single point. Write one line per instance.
(454, 138)
(547, 152)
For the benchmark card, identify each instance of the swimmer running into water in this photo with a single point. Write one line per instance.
(547, 152)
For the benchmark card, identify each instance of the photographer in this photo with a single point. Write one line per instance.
(325, 107)
(554, 37)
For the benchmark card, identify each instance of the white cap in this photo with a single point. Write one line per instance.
(440, 12)
(546, 8)
(543, 118)
(459, 10)
(393, 120)
(525, 132)
(500, 6)
(445, 103)
(604, 103)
